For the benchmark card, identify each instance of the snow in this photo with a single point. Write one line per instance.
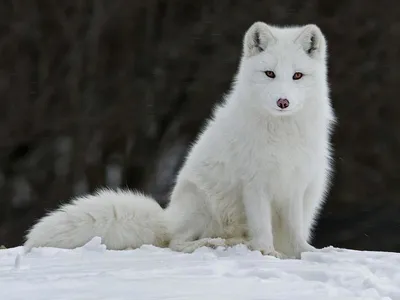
(92, 272)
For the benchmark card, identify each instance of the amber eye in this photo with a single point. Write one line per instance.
(270, 74)
(297, 75)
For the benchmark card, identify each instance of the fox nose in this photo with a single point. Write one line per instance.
(282, 103)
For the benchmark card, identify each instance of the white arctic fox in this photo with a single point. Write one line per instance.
(257, 174)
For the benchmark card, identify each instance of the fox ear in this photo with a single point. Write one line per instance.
(312, 41)
(257, 39)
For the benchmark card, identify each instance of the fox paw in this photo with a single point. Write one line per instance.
(214, 243)
(274, 253)
(270, 251)
(305, 247)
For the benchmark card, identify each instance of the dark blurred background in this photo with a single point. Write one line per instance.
(102, 92)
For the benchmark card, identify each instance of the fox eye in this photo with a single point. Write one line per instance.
(270, 74)
(297, 75)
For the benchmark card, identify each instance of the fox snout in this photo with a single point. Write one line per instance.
(282, 103)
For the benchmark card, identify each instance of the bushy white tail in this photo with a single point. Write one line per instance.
(122, 219)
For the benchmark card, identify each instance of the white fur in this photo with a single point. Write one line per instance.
(257, 174)
(122, 219)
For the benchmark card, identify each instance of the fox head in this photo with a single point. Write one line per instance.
(282, 68)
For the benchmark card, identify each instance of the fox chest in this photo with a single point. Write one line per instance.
(282, 167)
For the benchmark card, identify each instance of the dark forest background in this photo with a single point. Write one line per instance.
(101, 92)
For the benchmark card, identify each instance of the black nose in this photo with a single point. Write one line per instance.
(282, 103)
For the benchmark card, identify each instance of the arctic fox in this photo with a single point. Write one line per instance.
(256, 175)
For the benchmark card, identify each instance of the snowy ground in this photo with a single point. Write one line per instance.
(91, 272)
